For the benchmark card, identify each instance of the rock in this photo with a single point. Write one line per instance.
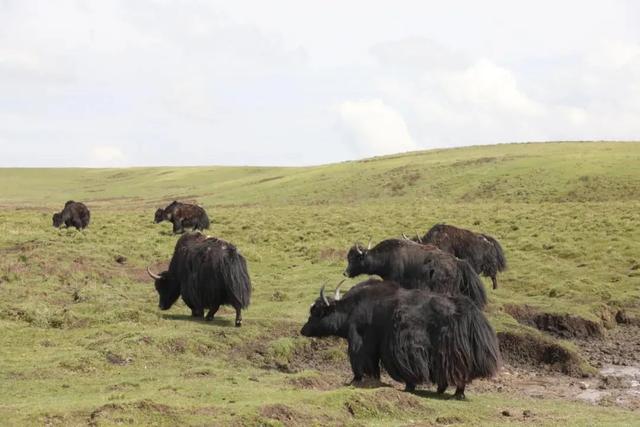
(506, 413)
(527, 413)
(121, 259)
(583, 385)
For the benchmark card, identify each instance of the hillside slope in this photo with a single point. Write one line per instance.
(83, 341)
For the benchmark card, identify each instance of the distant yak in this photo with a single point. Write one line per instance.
(483, 252)
(207, 272)
(183, 215)
(417, 266)
(74, 214)
(419, 336)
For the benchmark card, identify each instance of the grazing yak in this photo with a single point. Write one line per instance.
(183, 215)
(483, 252)
(419, 336)
(207, 272)
(417, 266)
(73, 214)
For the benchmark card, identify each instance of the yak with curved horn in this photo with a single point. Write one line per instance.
(417, 335)
(207, 272)
(415, 265)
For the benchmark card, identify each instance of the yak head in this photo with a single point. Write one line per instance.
(57, 219)
(357, 260)
(324, 320)
(168, 288)
(159, 216)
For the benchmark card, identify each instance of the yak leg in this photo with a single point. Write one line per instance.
(459, 395)
(495, 282)
(410, 387)
(177, 227)
(238, 316)
(442, 386)
(212, 312)
(197, 312)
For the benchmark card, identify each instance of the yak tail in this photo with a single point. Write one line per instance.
(467, 348)
(236, 276)
(471, 285)
(203, 221)
(501, 261)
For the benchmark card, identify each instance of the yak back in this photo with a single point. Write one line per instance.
(211, 271)
(412, 264)
(482, 251)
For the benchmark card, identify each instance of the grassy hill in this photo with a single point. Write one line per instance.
(83, 341)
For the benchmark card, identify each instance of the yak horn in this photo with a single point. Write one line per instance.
(358, 248)
(153, 275)
(418, 236)
(324, 298)
(405, 237)
(336, 296)
(369, 244)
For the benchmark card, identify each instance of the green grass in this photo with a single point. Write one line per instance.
(83, 342)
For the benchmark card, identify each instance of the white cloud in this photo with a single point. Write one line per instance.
(202, 82)
(107, 155)
(375, 128)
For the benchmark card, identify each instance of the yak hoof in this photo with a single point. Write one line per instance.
(441, 389)
(238, 323)
(459, 396)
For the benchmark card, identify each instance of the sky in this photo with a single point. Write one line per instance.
(286, 82)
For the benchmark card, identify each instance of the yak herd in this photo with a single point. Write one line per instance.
(422, 321)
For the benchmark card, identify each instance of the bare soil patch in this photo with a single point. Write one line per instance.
(528, 350)
(560, 325)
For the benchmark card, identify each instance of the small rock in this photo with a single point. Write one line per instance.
(506, 413)
(527, 413)
(121, 259)
(583, 385)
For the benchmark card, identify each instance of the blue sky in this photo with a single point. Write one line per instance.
(162, 82)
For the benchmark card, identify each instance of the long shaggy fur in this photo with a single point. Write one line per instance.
(483, 252)
(418, 336)
(417, 266)
(74, 214)
(207, 272)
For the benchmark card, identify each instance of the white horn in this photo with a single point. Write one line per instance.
(336, 296)
(324, 298)
(153, 275)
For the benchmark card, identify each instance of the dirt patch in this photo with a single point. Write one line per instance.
(324, 382)
(139, 274)
(528, 350)
(383, 402)
(116, 413)
(620, 346)
(332, 254)
(286, 415)
(560, 325)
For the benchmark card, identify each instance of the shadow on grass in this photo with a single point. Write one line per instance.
(217, 321)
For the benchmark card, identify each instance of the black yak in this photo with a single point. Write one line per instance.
(417, 266)
(208, 272)
(483, 252)
(183, 215)
(74, 214)
(419, 336)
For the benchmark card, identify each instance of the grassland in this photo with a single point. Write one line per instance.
(83, 342)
